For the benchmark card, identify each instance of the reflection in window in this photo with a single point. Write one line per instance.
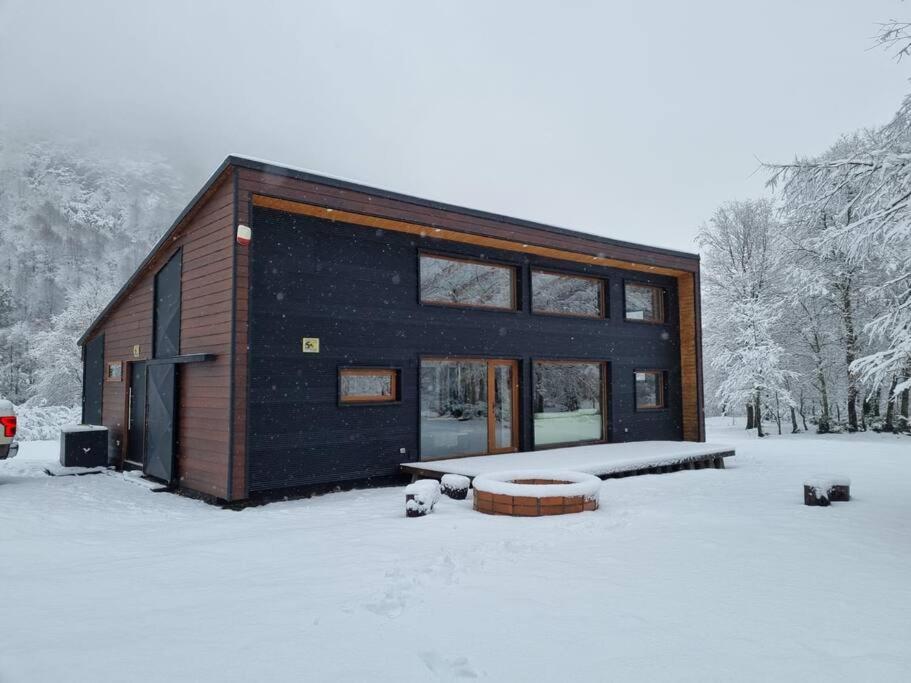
(457, 282)
(649, 389)
(645, 303)
(453, 407)
(568, 402)
(566, 294)
(367, 385)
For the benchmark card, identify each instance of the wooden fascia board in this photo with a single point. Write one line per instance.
(393, 225)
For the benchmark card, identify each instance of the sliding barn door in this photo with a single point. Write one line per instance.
(160, 409)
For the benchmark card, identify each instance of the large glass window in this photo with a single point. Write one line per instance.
(560, 294)
(568, 402)
(367, 385)
(457, 282)
(453, 408)
(649, 389)
(460, 413)
(644, 303)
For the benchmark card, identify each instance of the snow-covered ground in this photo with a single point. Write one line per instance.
(706, 575)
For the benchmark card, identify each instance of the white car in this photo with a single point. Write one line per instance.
(8, 449)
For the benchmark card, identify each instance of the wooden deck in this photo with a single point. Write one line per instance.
(603, 460)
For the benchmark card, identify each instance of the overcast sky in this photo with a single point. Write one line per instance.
(632, 120)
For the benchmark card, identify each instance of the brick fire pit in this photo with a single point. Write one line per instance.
(534, 493)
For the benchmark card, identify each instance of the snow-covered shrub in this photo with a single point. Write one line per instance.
(36, 421)
(421, 496)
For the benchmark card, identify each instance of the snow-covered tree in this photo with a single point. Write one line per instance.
(852, 209)
(72, 217)
(58, 364)
(744, 306)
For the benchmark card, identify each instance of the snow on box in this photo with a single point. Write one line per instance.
(69, 429)
(505, 484)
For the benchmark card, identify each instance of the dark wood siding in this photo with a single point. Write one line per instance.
(205, 238)
(258, 182)
(357, 291)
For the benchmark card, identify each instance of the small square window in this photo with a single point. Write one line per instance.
(650, 389)
(644, 303)
(114, 371)
(368, 385)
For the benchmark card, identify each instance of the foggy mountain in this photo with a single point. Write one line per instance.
(75, 221)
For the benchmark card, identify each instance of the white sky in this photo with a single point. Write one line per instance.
(632, 120)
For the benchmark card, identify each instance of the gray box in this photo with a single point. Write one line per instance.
(84, 446)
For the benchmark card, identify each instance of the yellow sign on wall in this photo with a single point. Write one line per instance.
(310, 345)
(136, 351)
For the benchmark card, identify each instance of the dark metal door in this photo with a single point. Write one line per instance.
(160, 405)
(92, 381)
(137, 426)
(167, 309)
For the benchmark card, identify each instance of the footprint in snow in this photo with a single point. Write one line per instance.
(448, 668)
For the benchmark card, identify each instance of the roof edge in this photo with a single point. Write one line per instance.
(251, 163)
(355, 186)
(163, 240)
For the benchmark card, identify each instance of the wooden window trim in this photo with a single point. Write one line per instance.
(602, 295)
(513, 298)
(368, 399)
(662, 304)
(661, 390)
(604, 396)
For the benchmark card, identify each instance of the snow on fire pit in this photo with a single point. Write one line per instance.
(532, 493)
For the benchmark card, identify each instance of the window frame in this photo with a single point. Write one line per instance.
(662, 390)
(514, 305)
(602, 294)
(492, 362)
(663, 305)
(604, 398)
(111, 365)
(366, 399)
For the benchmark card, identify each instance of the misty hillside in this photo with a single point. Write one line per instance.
(74, 223)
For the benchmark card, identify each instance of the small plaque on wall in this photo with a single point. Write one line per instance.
(137, 350)
(115, 371)
(310, 345)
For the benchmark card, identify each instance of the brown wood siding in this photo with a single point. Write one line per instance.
(258, 184)
(203, 416)
(690, 358)
(241, 321)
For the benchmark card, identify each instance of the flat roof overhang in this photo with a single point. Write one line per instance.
(597, 249)
(463, 237)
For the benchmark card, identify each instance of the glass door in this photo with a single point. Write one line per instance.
(502, 429)
(468, 407)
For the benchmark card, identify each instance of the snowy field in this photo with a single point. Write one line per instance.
(706, 575)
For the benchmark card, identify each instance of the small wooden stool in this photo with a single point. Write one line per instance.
(820, 491)
(455, 486)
